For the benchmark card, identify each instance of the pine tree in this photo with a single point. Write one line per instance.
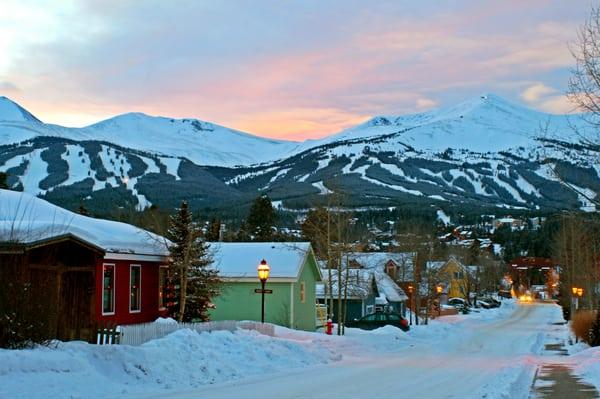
(3, 180)
(214, 230)
(194, 281)
(83, 210)
(261, 219)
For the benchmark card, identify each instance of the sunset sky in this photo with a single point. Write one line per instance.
(285, 69)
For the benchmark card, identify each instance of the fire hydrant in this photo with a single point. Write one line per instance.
(329, 328)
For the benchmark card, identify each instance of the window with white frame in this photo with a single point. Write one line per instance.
(135, 288)
(302, 292)
(108, 289)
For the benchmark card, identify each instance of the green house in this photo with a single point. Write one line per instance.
(293, 278)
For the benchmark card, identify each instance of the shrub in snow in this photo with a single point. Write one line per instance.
(581, 324)
(24, 321)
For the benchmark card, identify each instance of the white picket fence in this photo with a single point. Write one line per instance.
(137, 334)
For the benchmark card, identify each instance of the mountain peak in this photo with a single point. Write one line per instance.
(11, 111)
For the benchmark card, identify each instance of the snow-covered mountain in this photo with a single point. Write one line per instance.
(203, 143)
(11, 111)
(486, 123)
(482, 152)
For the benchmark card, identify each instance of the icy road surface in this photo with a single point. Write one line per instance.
(487, 359)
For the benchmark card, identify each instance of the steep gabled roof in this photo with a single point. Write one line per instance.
(378, 260)
(360, 281)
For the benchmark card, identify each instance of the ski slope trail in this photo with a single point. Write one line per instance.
(491, 359)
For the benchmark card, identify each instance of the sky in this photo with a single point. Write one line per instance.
(282, 69)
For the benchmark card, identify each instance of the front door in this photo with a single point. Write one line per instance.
(76, 301)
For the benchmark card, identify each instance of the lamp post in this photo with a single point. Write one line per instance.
(410, 290)
(577, 293)
(263, 274)
(439, 290)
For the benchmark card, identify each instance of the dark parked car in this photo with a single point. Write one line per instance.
(504, 294)
(460, 304)
(494, 303)
(379, 319)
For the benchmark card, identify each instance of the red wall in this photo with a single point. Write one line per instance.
(149, 294)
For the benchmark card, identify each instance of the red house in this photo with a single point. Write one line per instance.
(86, 271)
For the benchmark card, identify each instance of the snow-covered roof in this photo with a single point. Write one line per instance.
(360, 284)
(378, 261)
(240, 259)
(387, 287)
(26, 219)
(435, 264)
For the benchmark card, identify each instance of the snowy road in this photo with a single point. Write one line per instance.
(493, 359)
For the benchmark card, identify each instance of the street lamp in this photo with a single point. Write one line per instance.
(577, 293)
(439, 290)
(263, 274)
(410, 290)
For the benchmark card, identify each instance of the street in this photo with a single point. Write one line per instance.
(492, 359)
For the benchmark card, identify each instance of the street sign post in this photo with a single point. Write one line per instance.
(261, 291)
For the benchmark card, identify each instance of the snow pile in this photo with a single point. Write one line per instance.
(181, 360)
(380, 341)
(587, 365)
(165, 320)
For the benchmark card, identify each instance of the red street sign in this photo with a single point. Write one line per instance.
(259, 291)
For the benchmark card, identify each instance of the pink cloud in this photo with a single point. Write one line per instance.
(317, 78)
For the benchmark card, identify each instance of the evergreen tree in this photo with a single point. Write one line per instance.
(214, 230)
(261, 219)
(194, 281)
(83, 210)
(3, 180)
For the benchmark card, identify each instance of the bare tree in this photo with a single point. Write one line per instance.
(584, 84)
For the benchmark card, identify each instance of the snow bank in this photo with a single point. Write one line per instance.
(181, 360)
(165, 320)
(587, 365)
(383, 340)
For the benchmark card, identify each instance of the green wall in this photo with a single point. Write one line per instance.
(238, 301)
(305, 314)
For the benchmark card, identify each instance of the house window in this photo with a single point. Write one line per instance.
(135, 289)
(458, 275)
(163, 281)
(302, 292)
(108, 289)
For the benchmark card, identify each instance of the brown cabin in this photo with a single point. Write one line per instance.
(61, 273)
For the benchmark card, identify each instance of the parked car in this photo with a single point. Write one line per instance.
(480, 303)
(460, 304)
(492, 301)
(504, 294)
(379, 319)
(457, 302)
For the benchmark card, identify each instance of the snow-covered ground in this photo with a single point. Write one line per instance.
(181, 360)
(587, 365)
(492, 354)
